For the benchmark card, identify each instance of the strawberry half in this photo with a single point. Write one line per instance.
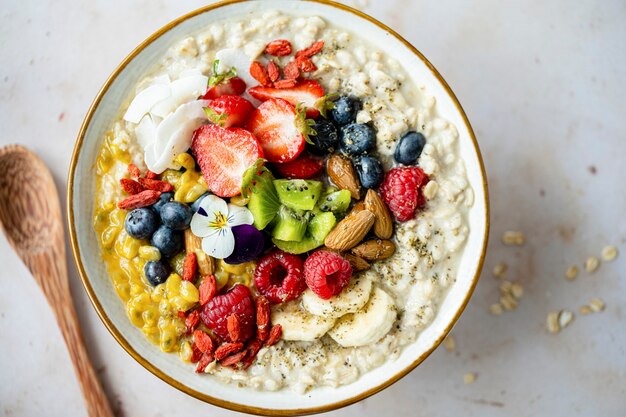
(224, 155)
(229, 110)
(307, 92)
(279, 130)
(304, 167)
(231, 86)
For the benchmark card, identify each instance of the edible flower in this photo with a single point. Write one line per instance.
(214, 222)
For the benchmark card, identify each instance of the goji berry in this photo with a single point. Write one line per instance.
(285, 83)
(251, 351)
(134, 171)
(207, 289)
(275, 334)
(233, 359)
(259, 73)
(262, 317)
(196, 353)
(143, 199)
(312, 50)
(203, 341)
(279, 47)
(227, 349)
(157, 185)
(190, 266)
(131, 187)
(305, 63)
(151, 175)
(291, 70)
(204, 361)
(273, 71)
(234, 327)
(192, 320)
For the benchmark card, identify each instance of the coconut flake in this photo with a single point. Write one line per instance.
(147, 98)
(233, 57)
(181, 90)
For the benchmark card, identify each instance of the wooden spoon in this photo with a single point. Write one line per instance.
(30, 216)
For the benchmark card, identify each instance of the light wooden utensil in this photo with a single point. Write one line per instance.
(30, 215)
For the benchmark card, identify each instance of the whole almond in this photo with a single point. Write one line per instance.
(341, 172)
(350, 231)
(383, 225)
(206, 264)
(358, 264)
(375, 249)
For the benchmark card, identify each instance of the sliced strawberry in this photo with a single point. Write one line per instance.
(224, 155)
(231, 86)
(307, 92)
(229, 110)
(274, 125)
(304, 167)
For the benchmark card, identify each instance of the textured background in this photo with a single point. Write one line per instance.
(543, 85)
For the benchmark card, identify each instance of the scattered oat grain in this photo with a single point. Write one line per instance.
(449, 343)
(565, 318)
(596, 305)
(609, 253)
(552, 322)
(571, 273)
(508, 302)
(584, 310)
(495, 309)
(505, 287)
(591, 264)
(469, 378)
(499, 271)
(517, 290)
(513, 238)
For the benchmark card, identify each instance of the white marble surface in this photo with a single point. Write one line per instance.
(543, 84)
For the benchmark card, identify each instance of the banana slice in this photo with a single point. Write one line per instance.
(350, 300)
(298, 324)
(368, 325)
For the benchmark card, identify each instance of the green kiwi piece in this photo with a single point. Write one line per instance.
(263, 202)
(319, 227)
(337, 201)
(298, 194)
(290, 225)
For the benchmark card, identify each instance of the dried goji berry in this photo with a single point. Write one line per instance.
(262, 317)
(143, 199)
(273, 71)
(192, 320)
(234, 327)
(227, 349)
(275, 334)
(279, 47)
(291, 70)
(203, 341)
(151, 175)
(233, 359)
(132, 187)
(285, 83)
(305, 63)
(259, 73)
(312, 50)
(134, 171)
(190, 266)
(157, 185)
(196, 353)
(181, 314)
(251, 351)
(204, 361)
(207, 289)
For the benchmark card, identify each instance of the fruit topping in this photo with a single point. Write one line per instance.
(327, 273)
(168, 241)
(157, 185)
(237, 301)
(229, 111)
(196, 204)
(345, 110)
(131, 187)
(304, 167)
(263, 200)
(164, 198)
(207, 289)
(175, 215)
(279, 277)
(221, 84)
(273, 71)
(273, 123)
(223, 156)
(307, 92)
(262, 317)
(370, 171)
(203, 341)
(341, 173)
(409, 148)
(319, 226)
(275, 335)
(402, 191)
(190, 267)
(335, 201)
(249, 243)
(357, 139)
(156, 272)
(227, 349)
(234, 327)
(290, 224)
(259, 73)
(298, 194)
(279, 47)
(327, 139)
(141, 223)
(143, 199)
(134, 171)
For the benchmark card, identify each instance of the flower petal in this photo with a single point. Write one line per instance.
(202, 220)
(219, 245)
(213, 204)
(239, 215)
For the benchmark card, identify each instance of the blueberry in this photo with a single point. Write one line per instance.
(345, 110)
(357, 138)
(409, 148)
(141, 223)
(167, 241)
(176, 215)
(196, 204)
(165, 197)
(156, 272)
(326, 139)
(370, 171)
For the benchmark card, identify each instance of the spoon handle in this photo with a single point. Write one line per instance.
(50, 270)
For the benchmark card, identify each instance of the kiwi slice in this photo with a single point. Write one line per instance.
(337, 201)
(258, 187)
(290, 225)
(319, 227)
(298, 194)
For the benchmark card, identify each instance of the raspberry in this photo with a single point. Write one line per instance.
(327, 273)
(401, 190)
(279, 277)
(237, 301)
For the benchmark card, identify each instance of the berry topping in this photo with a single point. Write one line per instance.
(229, 110)
(156, 272)
(345, 110)
(143, 199)
(357, 138)
(279, 47)
(401, 191)
(164, 198)
(307, 92)
(409, 148)
(327, 273)
(176, 215)
(238, 301)
(279, 277)
(370, 171)
(327, 138)
(231, 86)
(131, 187)
(259, 73)
(223, 156)
(304, 167)
(196, 204)
(141, 223)
(274, 125)
(167, 241)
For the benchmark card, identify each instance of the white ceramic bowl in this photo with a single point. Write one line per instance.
(81, 189)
